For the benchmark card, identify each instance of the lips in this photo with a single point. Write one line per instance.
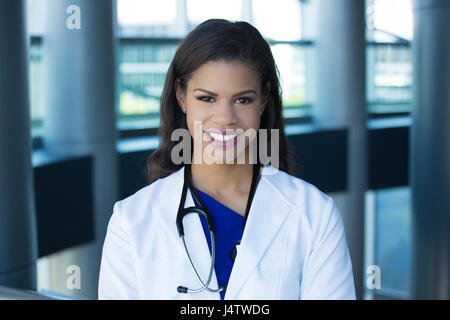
(222, 137)
(222, 131)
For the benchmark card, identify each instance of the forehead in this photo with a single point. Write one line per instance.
(221, 76)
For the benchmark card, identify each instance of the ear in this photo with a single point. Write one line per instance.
(180, 94)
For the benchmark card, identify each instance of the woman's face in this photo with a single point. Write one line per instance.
(223, 100)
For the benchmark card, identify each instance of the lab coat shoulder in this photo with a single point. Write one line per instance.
(117, 278)
(327, 269)
(118, 275)
(141, 203)
(306, 200)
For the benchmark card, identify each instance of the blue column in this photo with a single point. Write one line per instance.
(79, 66)
(340, 102)
(430, 151)
(18, 240)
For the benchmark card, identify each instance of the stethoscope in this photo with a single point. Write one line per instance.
(203, 211)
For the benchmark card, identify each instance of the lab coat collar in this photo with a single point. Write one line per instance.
(267, 213)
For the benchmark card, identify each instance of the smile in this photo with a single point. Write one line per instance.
(221, 137)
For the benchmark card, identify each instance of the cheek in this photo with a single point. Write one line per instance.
(250, 120)
(196, 125)
(196, 115)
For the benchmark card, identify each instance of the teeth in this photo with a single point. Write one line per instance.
(220, 137)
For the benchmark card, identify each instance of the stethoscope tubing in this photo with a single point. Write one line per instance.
(213, 258)
(182, 212)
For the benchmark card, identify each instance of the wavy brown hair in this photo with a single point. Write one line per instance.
(217, 40)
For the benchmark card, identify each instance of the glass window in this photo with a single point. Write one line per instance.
(389, 56)
(142, 72)
(389, 77)
(278, 20)
(143, 62)
(393, 238)
(388, 20)
(147, 17)
(294, 65)
(201, 10)
(35, 13)
(35, 87)
(35, 29)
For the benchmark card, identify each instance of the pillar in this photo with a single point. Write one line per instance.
(18, 237)
(79, 66)
(430, 151)
(340, 102)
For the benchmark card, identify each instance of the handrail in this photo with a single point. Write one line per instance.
(394, 44)
(177, 40)
(7, 293)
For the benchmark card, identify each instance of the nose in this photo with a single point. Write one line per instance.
(225, 114)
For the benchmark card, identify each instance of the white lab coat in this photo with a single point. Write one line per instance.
(293, 246)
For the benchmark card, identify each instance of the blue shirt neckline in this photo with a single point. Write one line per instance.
(204, 195)
(228, 228)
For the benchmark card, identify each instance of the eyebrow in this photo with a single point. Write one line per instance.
(236, 94)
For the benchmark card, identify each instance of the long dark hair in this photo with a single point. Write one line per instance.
(214, 40)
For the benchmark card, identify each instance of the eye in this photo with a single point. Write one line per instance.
(244, 100)
(204, 98)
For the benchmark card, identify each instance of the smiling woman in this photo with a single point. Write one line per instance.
(224, 75)
(226, 110)
(207, 229)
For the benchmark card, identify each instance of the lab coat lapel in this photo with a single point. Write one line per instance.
(267, 213)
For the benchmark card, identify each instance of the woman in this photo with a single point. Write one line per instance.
(274, 235)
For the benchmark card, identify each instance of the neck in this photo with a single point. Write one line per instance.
(223, 180)
(220, 179)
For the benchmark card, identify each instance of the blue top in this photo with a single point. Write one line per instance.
(228, 228)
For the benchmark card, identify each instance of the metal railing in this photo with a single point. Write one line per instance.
(7, 293)
(389, 77)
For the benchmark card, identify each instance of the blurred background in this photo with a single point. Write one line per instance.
(80, 83)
